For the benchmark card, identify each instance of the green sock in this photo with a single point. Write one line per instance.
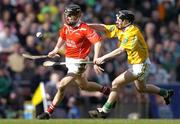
(162, 92)
(107, 107)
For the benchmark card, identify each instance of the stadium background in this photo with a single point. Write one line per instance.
(19, 77)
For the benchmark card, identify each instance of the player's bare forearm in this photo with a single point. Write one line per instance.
(114, 53)
(97, 48)
(98, 27)
(56, 48)
(59, 44)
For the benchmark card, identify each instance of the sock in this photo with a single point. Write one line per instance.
(163, 92)
(105, 90)
(51, 108)
(107, 107)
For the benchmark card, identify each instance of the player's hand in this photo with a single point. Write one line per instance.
(52, 54)
(98, 69)
(99, 61)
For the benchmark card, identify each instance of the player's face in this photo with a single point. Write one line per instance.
(71, 19)
(119, 23)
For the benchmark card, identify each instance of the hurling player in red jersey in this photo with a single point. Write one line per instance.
(78, 38)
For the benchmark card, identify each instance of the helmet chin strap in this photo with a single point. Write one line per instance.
(76, 24)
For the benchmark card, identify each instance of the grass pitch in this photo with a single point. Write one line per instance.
(90, 121)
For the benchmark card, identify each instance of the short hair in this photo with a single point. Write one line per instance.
(126, 14)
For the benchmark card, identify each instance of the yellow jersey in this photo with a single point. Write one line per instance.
(132, 40)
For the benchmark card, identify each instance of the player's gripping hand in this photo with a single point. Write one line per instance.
(98, 69)
(99, 61)
(53, 53)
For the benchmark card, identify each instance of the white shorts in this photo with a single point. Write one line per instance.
(75, 68)
(140, 70)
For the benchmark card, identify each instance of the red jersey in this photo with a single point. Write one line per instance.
(78, 40)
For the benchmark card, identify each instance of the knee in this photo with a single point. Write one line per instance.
(61, 86)
(115, 85)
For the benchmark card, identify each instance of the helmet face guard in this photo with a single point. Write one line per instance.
(72, 14)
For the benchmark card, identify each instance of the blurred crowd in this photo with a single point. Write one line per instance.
(20, 20)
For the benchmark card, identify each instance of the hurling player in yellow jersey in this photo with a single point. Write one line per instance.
(132, 42)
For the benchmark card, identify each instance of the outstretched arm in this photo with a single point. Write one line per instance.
(98, 27)
(110, 55)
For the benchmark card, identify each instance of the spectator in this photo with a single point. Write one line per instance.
(31, 45)
(7, 39)
(5, 90)
(161, 74)
(73, 111)
(15, 60)
(5, 82)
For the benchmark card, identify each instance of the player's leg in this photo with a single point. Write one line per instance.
(58, 97)
(84, 84)
(61, 87)
(91, 86)
(119, 82)
(141, 72)
(150, 88)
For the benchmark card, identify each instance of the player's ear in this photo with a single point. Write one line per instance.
(125, 21)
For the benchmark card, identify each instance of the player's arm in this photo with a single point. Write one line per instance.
(110, 55)
(98, 27)
(94, 38)
(60, 42)
(57, 47)
(97, 48)
(109, 30)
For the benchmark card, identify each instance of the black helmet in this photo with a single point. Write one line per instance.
(74, 11)
(126, 14)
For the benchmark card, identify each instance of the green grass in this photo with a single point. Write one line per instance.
(90, 121)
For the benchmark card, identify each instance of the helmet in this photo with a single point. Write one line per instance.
(126, 14)
(72, 14)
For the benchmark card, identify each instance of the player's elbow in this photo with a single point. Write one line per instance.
(98, 44)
